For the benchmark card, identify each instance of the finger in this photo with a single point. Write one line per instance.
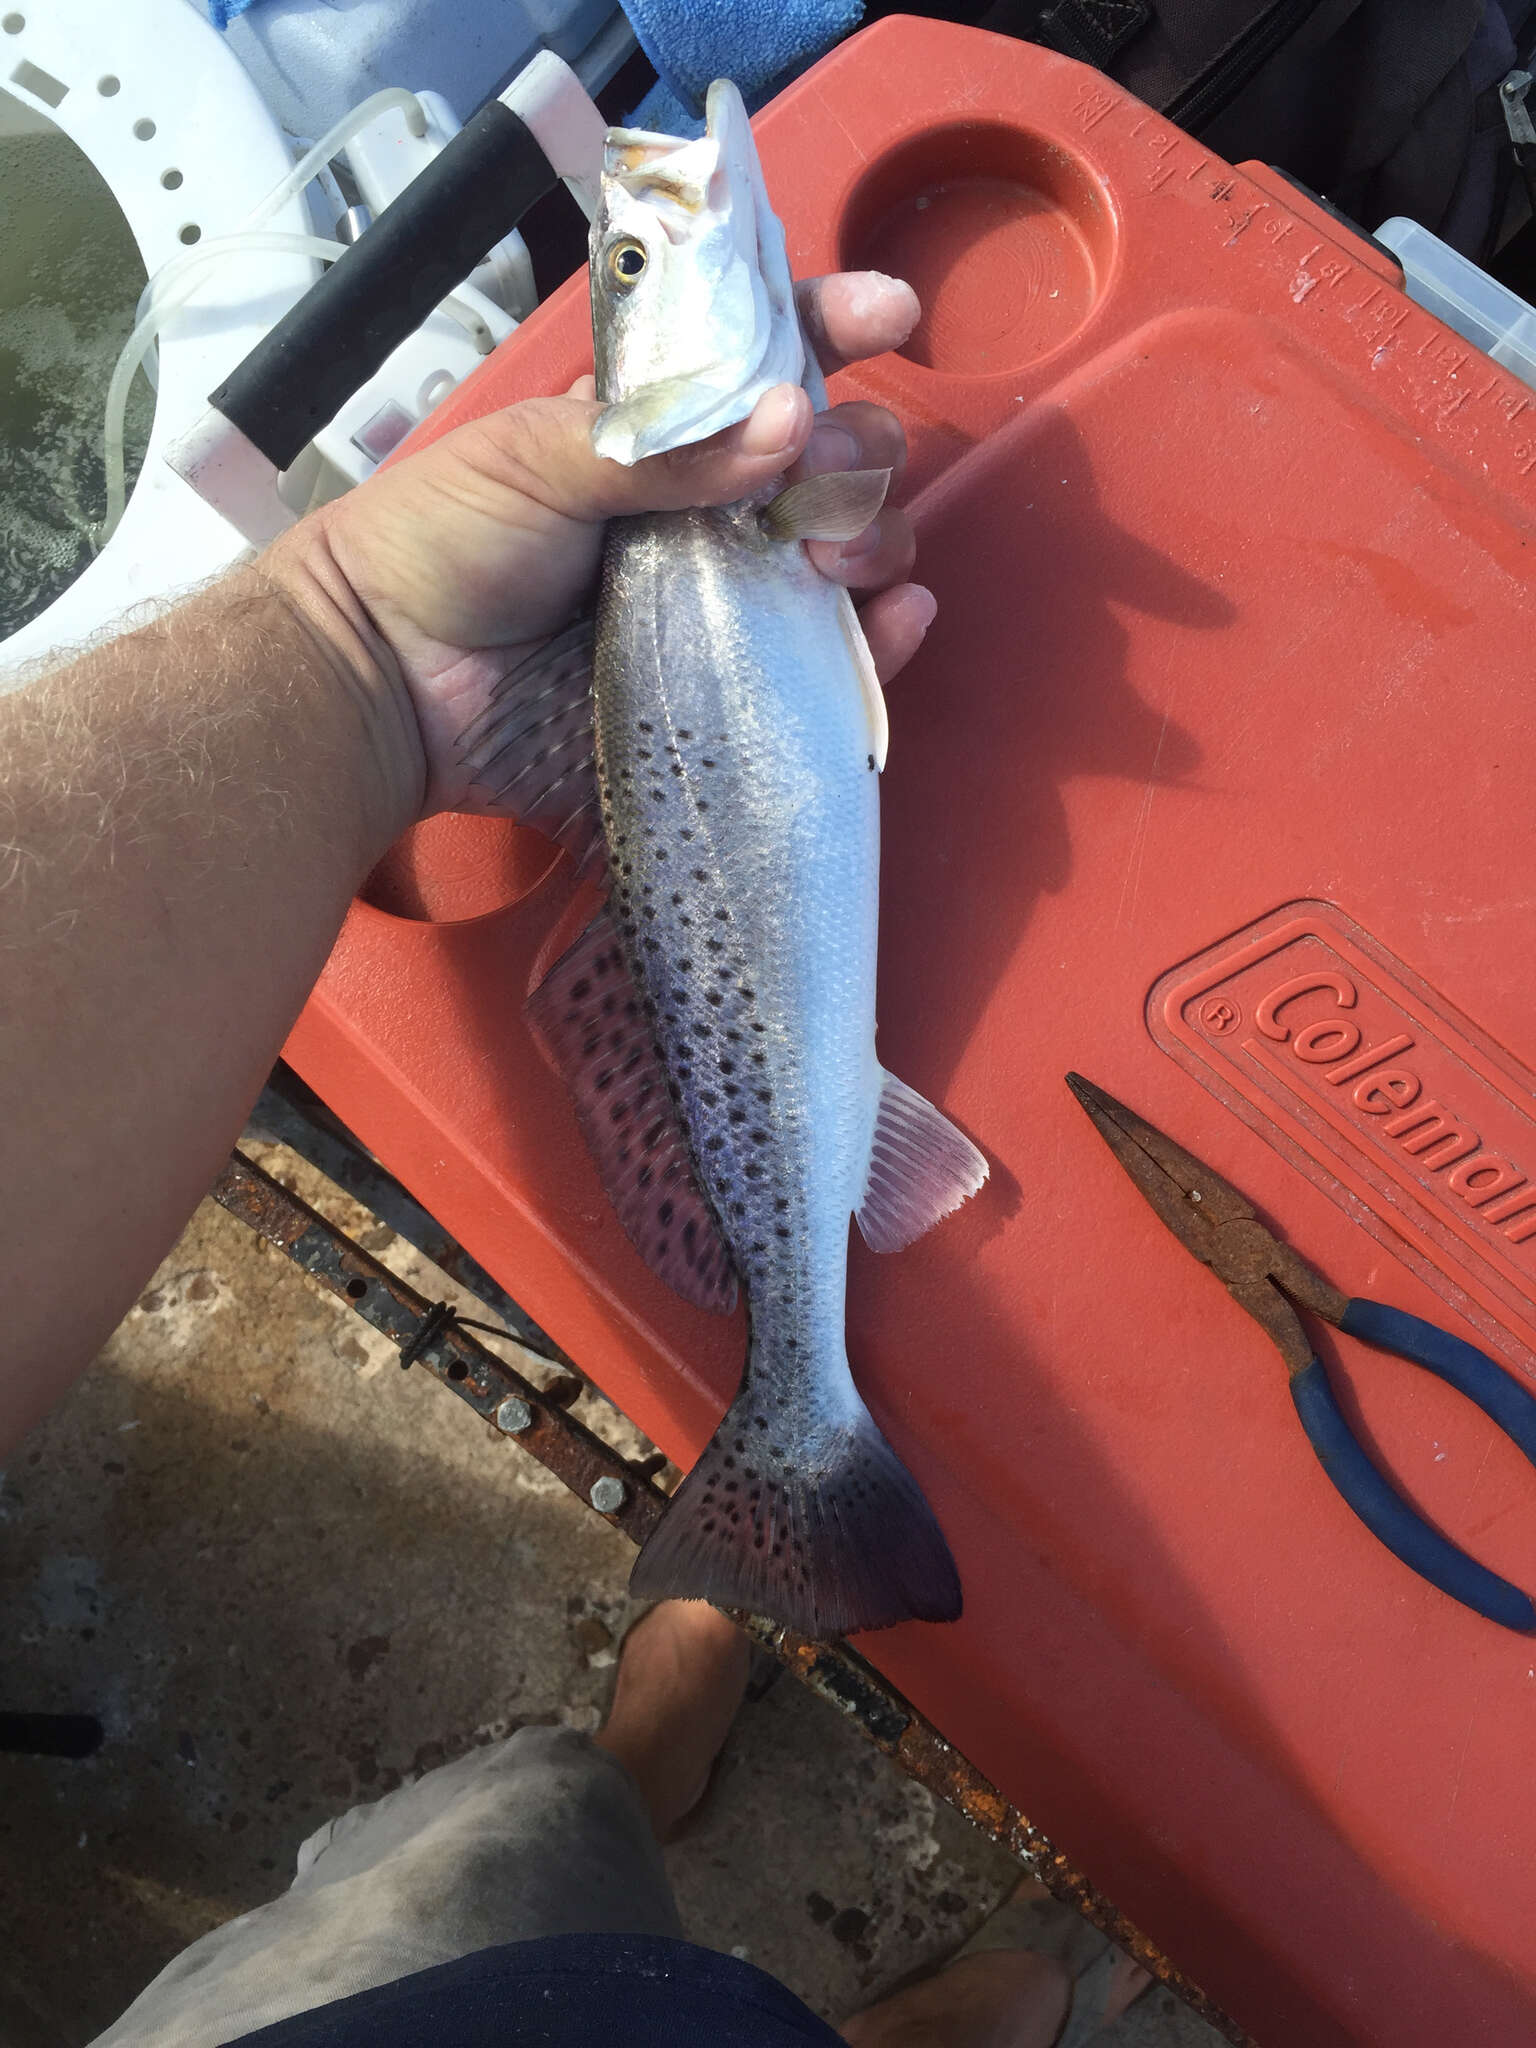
(584, 387)
(856, 313)
(882, 554)
(894, 624)
(855, 436)
(542, 450)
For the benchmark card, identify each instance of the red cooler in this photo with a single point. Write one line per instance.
(1214, 776)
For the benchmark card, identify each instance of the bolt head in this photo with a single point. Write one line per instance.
(514, 1415)
(608, 1495)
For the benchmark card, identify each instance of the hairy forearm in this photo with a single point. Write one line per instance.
(184, 815)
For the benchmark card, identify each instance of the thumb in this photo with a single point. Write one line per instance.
(543, 450)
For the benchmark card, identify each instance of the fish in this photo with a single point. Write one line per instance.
(710, 743)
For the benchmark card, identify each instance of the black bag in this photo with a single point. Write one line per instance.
(1383, 106)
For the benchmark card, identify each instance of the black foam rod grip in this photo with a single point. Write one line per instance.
(421, 246)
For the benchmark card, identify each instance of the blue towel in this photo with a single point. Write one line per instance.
(761, 44)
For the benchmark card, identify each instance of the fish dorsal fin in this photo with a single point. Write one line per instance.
(529, 752)
(837, 505)
(920, 1167)
(592, 1027)
(869, 679)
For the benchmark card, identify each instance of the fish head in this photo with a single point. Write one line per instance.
(693, 309)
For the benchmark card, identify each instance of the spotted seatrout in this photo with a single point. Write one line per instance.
(717, 1020)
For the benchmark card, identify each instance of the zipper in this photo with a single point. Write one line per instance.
(1203, 98)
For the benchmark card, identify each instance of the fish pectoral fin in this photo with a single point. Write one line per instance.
(920, 1168)
(837, 505)
(530, 750)
(588, 1020)
(869, 678)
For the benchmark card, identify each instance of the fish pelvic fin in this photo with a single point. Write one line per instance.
(920, 1168)
(825, 1530)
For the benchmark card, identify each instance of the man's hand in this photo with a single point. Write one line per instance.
(440, 574)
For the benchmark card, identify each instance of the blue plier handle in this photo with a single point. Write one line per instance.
(1214, 1222)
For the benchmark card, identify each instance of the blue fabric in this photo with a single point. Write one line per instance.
(222, 12)
(570, 1991)
(761, 44)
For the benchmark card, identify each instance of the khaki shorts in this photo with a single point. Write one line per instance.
(541, 1834)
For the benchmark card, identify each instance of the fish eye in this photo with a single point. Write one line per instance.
(626, 262)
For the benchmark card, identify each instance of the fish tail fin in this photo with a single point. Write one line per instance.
(824, 1528)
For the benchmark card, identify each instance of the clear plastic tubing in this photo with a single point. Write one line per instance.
(159, 299)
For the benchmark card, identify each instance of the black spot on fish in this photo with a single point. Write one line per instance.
(764, 1094)
(871, 763)
(714, 945)
(781, 1203)
(683, 733)
(753, 1171)
(644, 727)
(665, 1212)
(781, 1230)
(686, 833)
(702, 875)
(713, 996)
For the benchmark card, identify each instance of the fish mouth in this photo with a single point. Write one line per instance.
(667, 171)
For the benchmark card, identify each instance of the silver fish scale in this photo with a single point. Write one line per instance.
(742, 826)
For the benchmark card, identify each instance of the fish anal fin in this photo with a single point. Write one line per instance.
(836, 505)
(827, 1531)
(529, 753)
(920, 1168)
(869, 679)
(590, 1023)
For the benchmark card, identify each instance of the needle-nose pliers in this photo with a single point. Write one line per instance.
(1212, 1220)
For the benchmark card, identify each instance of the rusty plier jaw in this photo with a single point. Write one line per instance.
(1217, 1224)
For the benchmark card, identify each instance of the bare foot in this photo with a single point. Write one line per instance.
(682, 1673)
(1004, 1998)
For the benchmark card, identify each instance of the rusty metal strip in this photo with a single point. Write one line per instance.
(624, 1495)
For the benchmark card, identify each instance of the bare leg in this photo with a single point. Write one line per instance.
(1002, 1999)
(682, 1674)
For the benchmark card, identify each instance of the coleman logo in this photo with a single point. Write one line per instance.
(1380, 1083)
(1409, 1115)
